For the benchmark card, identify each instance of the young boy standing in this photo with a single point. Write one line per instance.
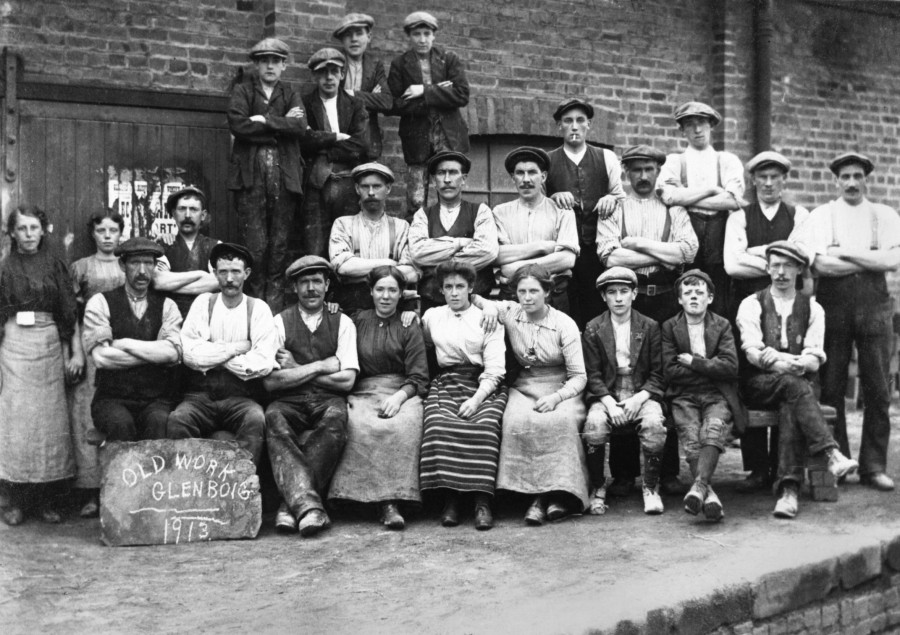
(625, 388)
(701, 369)
(429, 87)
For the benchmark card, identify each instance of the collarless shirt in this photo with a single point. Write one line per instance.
(622, 332)
(331, 113)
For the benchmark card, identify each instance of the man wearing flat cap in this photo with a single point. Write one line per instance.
(783, 335)
(330, 193)
(853, 242)
(587, 180)
(748, 233)
(317, 368)
(268, 121)
(655, 241)
(229, 343)
(369, 239)
(622, 356)
(183, 270)
(532, 229)
(709, 184)
(133, 335)
(452, 228)
(364, 76)
(429, 87)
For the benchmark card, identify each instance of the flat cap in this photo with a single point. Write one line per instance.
(373, 167)
(527, 153)
(419, 18)
(270, 46)
(308, 264)
(695, 273)
(229, 251)
(852, 157)
(188, 190)
(324, 57)
(788, 249)
(769, 158)
(449, 155)
(617, 275)
(139, 245)
(569, 104)
(643, 153)
(354, 19)
(697, 109)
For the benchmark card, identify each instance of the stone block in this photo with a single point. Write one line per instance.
(822, 486)
(725, 606)
(891, 553)
(831, 614)
(790, 589)
(659, 622)
(761, 630)
(812, 620)
(174, 492)
(861, 566)
(744, 628)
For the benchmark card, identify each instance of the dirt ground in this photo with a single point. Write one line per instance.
(579, 574)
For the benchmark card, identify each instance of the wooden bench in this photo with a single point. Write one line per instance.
(822, 484)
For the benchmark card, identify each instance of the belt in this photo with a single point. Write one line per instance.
(654, 289)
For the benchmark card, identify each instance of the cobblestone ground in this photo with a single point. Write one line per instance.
(581, 573)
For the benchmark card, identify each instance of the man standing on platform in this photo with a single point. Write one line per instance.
(229, 342)
(654, 240)
(318, 366)
(588, 181)
(855, 242)
(429, 87)
(747, 235)
(340, 143)
(133, 335)
(782, 334)
(268, 122)
(371, 238)
(710, 184)
(364, 76)
(452, 228)
(533, 230)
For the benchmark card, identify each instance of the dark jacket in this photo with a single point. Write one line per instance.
(352, 119)
(373, 75)
(719, 368)
(443, 103)
(286, 133)
(599, 343)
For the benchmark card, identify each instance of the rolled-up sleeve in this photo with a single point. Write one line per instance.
(494, 357)
(170, 330)
(340, 242)
(483, 249)
(576, 376)
(609, 231)
(346, 344)
(683, 234)
(566, 232)
(748, 322)
(97, 328)
(669, 179)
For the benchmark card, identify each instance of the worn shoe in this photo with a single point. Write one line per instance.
(536, 514)
(712, 506)
(13, 516)
(313, 521)
(755, 481)
(556, 511)
(621, 487)
(877, 480)
(598, 502)
(652, 502)
(841, 466)
(450, 515)
(787, 505)
(90, 509)
(391, 517)
(484, 520)
(672, 486)
(693, 502)
(50, 516)
(284, 520)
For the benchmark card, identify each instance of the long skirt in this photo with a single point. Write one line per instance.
(381, 457)
(35, 437)
(87, 464)
(542, 451)
(460, 454)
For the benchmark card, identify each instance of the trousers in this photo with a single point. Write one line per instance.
(199, 416)
(131, 419)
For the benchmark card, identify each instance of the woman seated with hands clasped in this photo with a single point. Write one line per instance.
(542, 453)
(380, 463)
(461, 439)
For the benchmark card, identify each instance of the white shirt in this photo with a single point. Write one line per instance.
(749, 321)
(331, 112)
(346, 344)
(575, 157)
(459, 339)
(429, 251)
(623, 342)
(858, 227)
(696, 333)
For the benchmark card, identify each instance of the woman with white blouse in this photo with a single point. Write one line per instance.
(461, 437)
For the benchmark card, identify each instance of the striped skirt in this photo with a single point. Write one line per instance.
(460, 454)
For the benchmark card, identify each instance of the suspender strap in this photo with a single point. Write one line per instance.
(212, 302)
(718, 169)
(667, 228)
(392, 236)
